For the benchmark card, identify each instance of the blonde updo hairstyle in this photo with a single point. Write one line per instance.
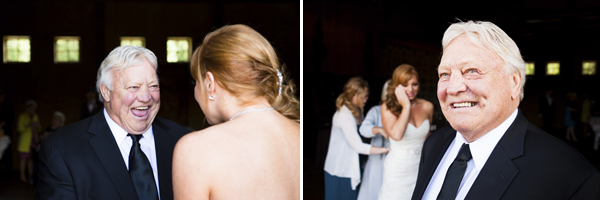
(245, 64)
(402, 74)
(384, 90)
(354, 86)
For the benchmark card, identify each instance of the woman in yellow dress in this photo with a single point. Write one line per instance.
(28, 127)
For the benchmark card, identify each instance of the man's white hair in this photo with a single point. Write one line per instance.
(62, 116)
(121, 58)
(492, 37)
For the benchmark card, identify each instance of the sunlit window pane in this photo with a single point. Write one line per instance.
(553, 68)
(529, 68)
(136, 43)
(178, 49)
(133, 41)
(66, 49)
(16, 49)
(588, 68)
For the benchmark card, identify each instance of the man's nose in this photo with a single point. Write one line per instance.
(456, 84)
(144, 95)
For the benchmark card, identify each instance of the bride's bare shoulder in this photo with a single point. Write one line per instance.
(196, 143)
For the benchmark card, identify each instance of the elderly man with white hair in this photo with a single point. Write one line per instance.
(123, 152)
(490, 150)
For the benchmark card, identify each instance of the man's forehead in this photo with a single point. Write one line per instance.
(127, 75)
(476, 57)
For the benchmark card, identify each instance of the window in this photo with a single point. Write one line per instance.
(16, 49)
(178, 49)
(529, 68)
(588, 67)
(133, 41)
(553, 68)
(66, 49)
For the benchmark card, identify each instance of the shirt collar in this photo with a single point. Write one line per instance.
(483, 147)
(120, 134)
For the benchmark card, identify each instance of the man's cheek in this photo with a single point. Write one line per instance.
(129, 98)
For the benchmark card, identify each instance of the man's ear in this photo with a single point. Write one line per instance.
(105, 93)
(515, 90)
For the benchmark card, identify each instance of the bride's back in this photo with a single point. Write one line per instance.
(255, 156)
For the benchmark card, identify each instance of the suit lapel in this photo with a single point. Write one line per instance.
(165, 144)
(103, 143)
(431, 159)
(499, 170)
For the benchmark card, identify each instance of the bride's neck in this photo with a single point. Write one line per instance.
(233, 108)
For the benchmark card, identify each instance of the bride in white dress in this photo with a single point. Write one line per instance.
(406, 119)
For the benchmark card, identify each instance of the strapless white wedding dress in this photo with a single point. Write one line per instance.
(402, 163)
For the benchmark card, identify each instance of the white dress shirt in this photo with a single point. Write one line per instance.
(480, 150)
(124, 142)
(344, 146)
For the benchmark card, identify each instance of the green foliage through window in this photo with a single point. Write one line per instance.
(66, 49)
(553, 68)
(588, 68)
(17, 49)
(178, 49)
(133, 41)
(529, 68)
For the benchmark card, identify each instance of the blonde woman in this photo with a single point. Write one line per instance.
(342, 165)
(252, 151)
(406, 119)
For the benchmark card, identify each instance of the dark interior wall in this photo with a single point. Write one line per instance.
(53, 86)
(100, 23)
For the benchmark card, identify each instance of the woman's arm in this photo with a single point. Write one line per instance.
(346, 122)
(188, 181)
(380, 130)
(394, 125)
(369, 126)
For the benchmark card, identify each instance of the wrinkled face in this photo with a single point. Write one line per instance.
(411, 87)
(474, 89)
(135, 100)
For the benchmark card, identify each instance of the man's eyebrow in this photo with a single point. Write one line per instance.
(466, 63)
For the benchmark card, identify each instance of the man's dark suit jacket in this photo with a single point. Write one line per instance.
(83, 161)
(527, 163)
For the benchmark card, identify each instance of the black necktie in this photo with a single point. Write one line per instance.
(141, 171)
(455, 173)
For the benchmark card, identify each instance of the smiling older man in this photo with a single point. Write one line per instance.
(490, 150)
(124, 152)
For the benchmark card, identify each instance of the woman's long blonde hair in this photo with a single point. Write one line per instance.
(354, 86)
(245, 64)
(402, 74)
